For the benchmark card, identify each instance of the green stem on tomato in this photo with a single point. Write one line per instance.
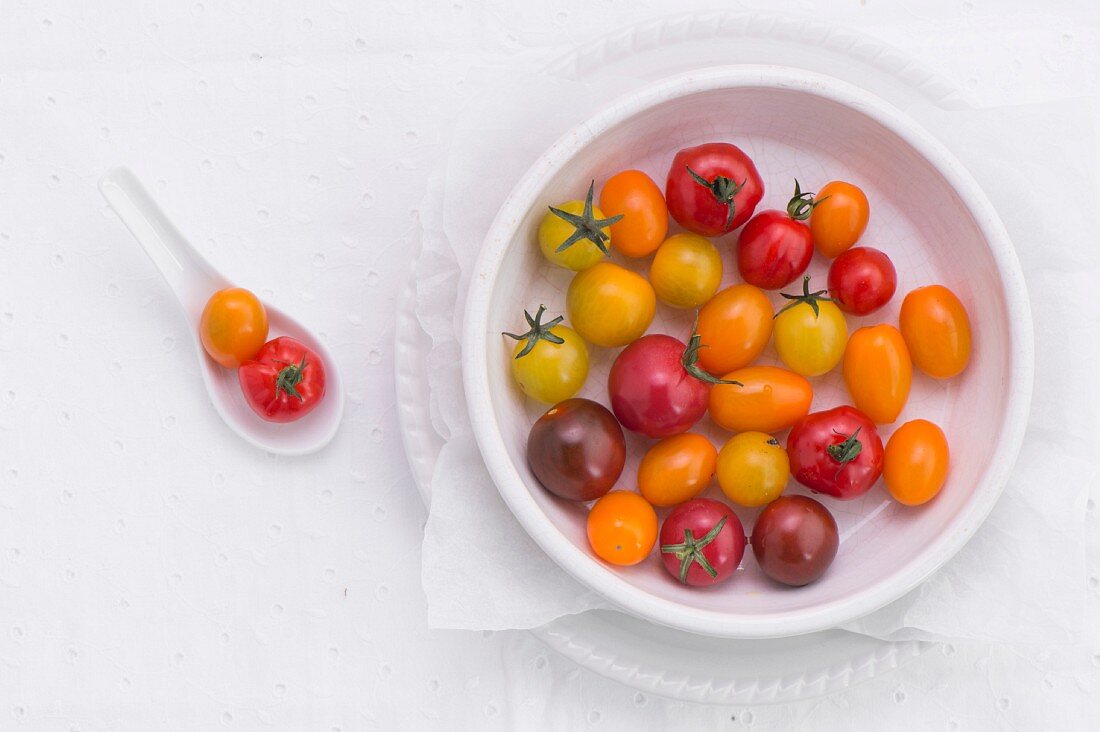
(538, 331)
(690, 551)
(586, 226)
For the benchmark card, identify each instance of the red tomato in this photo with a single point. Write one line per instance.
(837, 452)
(713, 188)
(702, 542)
(656, 387)
(862, 280)
(284, 382)
(795, 540)
(776, 247)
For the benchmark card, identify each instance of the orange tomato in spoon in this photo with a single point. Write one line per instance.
(233, 327)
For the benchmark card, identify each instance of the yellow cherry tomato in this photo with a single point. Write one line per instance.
(633, 194)
(622, 528)
(734, 328)
(610, 306)
(550, 361)
(878, 372)
(936, 330)
(576, 235)
(839, 217)
(686, 271)
(753, 469)
(810, 333)
(914, 465)
(676, 469)
(233, 326)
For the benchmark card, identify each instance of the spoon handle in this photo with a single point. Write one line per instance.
(190, 276)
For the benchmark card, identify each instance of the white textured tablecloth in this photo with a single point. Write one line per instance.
(155, 572)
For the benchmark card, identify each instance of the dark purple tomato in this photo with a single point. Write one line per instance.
(702, 542)
(577, 450)
(795, 540)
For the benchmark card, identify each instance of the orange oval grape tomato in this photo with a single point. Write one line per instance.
(770, 399)
(839, 217)
(936, 329)
(915, 463)
(676, 469)
(878, 372)
(734, 327)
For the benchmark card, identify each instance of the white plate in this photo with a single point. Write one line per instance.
(651, 658)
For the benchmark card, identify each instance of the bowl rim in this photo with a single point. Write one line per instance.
(601, 578)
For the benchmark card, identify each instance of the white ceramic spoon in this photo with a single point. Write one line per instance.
(193, 281)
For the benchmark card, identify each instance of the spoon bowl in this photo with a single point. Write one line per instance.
(194, 280)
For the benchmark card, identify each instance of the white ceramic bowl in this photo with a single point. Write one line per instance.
(927, 213)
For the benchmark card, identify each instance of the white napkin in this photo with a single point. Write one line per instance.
(1019, 580)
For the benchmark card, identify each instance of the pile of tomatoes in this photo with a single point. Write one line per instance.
(661, 386)
(282, 379)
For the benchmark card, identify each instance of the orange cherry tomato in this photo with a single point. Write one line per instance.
(734, 327)
(676, 469)
(639, 200)
(915, 462)
(233, 326)
(937, 330)
(622, 528)
(839, 217)
(878, 372)
(770, 399)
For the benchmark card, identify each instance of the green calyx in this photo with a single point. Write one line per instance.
(288, 378)
(538, 331)
(810, 298)
(847, 451)
(690, 359)
(586, 226)
(691, 551)
(723, 189)
(802, 204)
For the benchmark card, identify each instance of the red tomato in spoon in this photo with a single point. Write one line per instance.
(712, 188)
(284, 382)
(656, 388)
(702, 542)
